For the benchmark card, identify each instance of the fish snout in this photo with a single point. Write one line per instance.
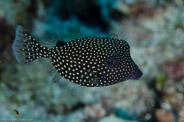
(136, 75)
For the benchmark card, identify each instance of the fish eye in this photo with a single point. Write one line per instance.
(111, 62)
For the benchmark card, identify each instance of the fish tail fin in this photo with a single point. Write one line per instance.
(26, 48)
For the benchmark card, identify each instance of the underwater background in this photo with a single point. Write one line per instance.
(154, 30)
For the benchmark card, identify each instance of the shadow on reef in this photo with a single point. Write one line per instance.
(88, 12)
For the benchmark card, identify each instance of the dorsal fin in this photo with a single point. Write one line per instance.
(51, 40)
(60, 43)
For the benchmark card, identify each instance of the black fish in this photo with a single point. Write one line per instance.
(16, 112)
(89, 61)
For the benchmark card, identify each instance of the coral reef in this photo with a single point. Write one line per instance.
(154, 29)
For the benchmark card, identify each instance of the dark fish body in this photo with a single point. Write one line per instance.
(17, 113)
(89, 61)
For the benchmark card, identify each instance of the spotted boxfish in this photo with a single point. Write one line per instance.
(87, 61)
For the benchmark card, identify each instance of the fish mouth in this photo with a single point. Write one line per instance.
(136, 75)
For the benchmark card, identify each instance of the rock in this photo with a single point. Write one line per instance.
(113, 119)
(181, 115)
(164, 115)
